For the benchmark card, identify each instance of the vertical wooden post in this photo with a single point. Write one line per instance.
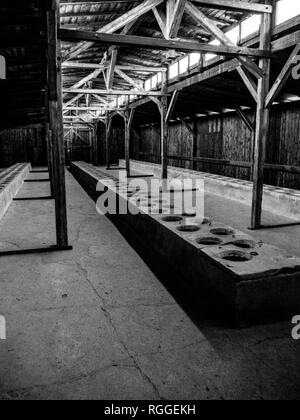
(108, 123)
(164, 137)
(195, 144)
(91, 145)
(164, 128)
(128, 118)
(251, 126)
(262, 123)
(48, 135)
(127, 143)
(252, 155)
(95, 146)
(50, 158)
(56, 123)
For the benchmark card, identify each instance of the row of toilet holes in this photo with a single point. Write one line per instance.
(232, 255)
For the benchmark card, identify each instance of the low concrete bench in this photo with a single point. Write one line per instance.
(255, 281)
(11, 180)
(286, 201)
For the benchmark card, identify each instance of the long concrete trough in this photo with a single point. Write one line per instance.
(286, 201)
(255, 282)
(11, 180)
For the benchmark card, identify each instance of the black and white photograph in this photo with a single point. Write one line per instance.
(149, 203)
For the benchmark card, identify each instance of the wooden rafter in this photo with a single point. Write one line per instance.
(236, 6)
(100, 99)
(249, 82)
(282, 78)
(103, 67)
(172, 105)
(111, 69)
(161, 18)
(128, 79)
(71, 101)
(218, 34)
(114, 26)
(182, 45)
(113, 92)
(245, 118)
(175, 19)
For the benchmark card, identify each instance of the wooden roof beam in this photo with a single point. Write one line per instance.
(128, 79)
(235, 6)
(114, 92)
(163, 44)
(111, 70)
(114, 26)
(102, 67)
(218, 34)
(174, 21)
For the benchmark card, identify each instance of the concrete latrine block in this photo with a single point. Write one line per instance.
(254, 281)
(11, 181)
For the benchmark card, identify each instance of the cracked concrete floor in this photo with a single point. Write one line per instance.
(96, 323)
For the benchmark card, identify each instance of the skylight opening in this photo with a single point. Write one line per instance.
(287, 9)
(154, 82)
(173, 70)
(195, 59)
(184, 65)
(148, 84)
(234, 34)
(250, 26)
(211, 56)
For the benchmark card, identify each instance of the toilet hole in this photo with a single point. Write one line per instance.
(172, 219)
(222, 232)
(236, 256)
(209, 241)
(188, 228)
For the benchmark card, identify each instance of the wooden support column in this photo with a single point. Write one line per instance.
(108, 123)
(128, 117)
(127, 143)
(251, 126)
(95, 146)
(262, 123)
(48, 137)
(91, 145)
(50, 157)
(164, 128)
(195, 144)
(164, 137)
(56, 123)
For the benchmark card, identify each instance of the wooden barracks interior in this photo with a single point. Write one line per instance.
(98, 97)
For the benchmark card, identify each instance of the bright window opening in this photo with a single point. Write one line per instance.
(148, 84)
(234, 34)
(173, 71)
(287, 9)
(154, 82)
(250, 26)
(211, 56)
(195, 59)
(184, 65)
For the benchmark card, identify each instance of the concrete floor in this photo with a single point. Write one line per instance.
(96, 323)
